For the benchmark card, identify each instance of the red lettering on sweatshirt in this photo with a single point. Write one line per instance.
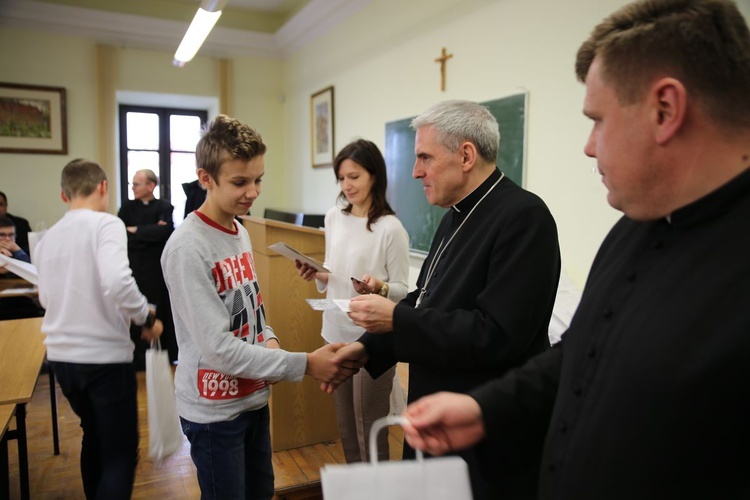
(218, 386)
(233, 272)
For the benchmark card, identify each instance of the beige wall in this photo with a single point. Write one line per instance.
(32, 181)
(259, 102)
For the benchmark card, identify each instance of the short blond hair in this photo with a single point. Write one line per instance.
(80, 178)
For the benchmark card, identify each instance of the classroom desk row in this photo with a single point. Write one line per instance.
(22, 353)
(16, 287)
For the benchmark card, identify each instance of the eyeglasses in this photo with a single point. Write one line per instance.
(8, 236)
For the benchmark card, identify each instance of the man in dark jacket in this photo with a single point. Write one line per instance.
(195, 195)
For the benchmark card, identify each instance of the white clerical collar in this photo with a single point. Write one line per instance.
(480, 186)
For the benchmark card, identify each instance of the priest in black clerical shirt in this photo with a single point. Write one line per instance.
(149, 224)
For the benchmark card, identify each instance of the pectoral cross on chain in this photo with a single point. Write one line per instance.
(442, 60)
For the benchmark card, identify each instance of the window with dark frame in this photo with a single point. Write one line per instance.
(163, 140)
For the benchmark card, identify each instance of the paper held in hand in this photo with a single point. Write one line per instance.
(290, 253)
(20, 268)
(329, 304)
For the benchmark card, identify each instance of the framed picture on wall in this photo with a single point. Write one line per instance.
(321, 130)
(32, 119)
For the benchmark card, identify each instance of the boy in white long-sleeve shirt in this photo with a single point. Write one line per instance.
(228, 356)
(90, 297)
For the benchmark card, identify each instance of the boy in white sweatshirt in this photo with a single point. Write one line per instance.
(228, 355)
(90, 297)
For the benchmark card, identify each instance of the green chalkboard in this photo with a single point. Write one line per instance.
(405, 194)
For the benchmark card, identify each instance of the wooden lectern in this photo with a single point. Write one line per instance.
(301, 414)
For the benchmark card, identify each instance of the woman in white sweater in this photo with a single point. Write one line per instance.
(364, 240)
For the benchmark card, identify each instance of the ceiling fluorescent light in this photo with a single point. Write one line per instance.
(203, 22)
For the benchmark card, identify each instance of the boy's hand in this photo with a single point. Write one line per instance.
(153, 333)
(323, 365)
(352, 355)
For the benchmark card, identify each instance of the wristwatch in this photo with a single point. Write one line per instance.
(383, 292)
(150, 318)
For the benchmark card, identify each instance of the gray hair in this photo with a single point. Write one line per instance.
(459, 121)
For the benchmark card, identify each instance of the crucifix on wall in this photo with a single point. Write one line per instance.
(442, 60)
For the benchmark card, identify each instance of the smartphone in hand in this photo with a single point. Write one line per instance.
(359, 286)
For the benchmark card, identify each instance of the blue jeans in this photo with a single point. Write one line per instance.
(233, 458)
(104, 397)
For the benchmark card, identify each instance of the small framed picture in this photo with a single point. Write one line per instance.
(32, 119)
(321, 115)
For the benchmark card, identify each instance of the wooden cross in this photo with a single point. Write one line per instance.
(442, 60)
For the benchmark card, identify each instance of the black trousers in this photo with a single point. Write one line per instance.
(105, 398)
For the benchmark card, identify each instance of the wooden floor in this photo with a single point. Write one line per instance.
(58, 477)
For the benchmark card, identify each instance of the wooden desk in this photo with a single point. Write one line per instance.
(22, 353)
(7, 284)
(17, 287)
(12, 283)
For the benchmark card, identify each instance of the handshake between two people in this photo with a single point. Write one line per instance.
(333, 364)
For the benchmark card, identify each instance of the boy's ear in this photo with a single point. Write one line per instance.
(103, 186)
(204, 178)
(63, 197)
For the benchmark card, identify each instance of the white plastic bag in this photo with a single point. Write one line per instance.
(443, 478)
(164, 432)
